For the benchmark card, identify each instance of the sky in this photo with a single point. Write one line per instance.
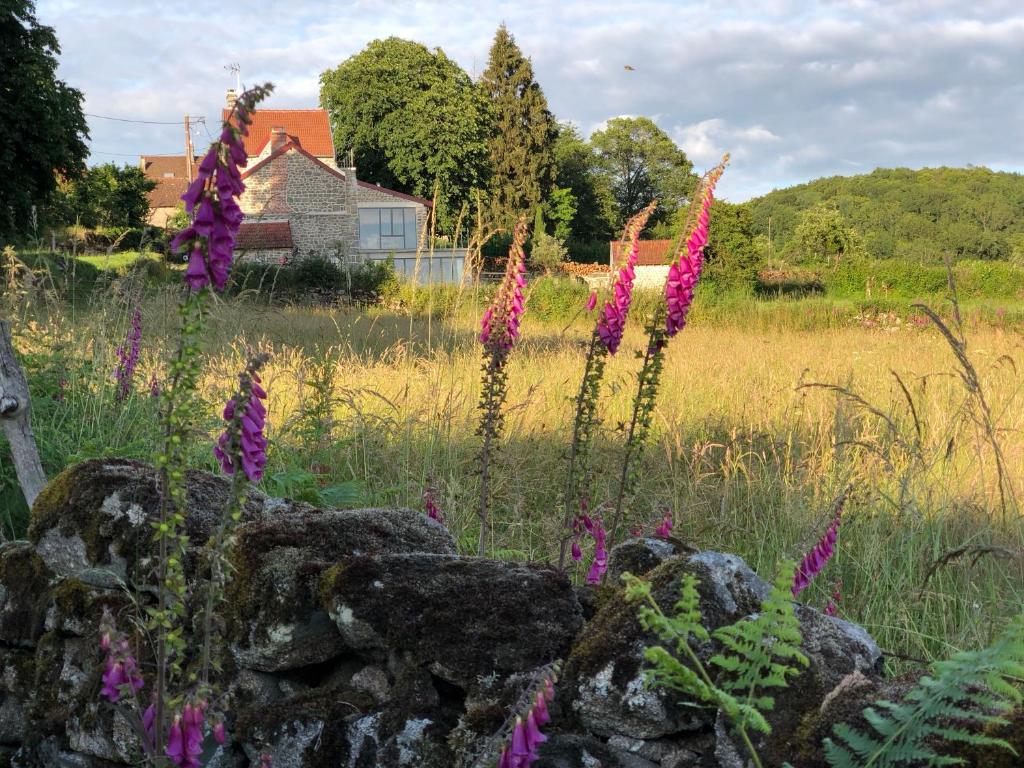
(793, 89)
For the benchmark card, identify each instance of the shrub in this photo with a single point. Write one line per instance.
(548, 252)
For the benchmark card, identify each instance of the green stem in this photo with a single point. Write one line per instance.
(586, 405)
(643, 405)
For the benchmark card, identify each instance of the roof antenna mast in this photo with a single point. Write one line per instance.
(237, 70)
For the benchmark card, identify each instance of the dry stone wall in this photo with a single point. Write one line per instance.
(360, 638)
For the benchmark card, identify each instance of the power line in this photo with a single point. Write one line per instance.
(134, 154)
(144, 122)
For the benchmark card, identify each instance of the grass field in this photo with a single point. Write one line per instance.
(370, 408)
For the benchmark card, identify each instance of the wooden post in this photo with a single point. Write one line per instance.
(14, 417)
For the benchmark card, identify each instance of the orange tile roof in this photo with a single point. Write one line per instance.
(169, 189)
(652, 252)
(264, 235)
(310, 126)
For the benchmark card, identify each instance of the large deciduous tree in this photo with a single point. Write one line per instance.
(579, 174)
(412, 119)
(44, 130)
(643, 164)
(106, 195)
(523, 131)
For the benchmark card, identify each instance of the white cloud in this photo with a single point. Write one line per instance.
(794, 88)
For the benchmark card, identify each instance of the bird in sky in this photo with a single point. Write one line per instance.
(628, 68)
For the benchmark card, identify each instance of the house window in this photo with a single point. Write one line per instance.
(387, 229)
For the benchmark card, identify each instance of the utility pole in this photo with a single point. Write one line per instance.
(189, 155)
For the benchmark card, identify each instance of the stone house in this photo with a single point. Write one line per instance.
(298, 202)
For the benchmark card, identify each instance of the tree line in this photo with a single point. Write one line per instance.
(415, 121)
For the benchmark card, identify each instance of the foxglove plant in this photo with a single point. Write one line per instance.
(815, 560)
(430, 507)
(666, 321)
(604, 341)
(524, 734)
(128, 356)
(664, 529)
(833, 604)
(172, 727)
(499, 329)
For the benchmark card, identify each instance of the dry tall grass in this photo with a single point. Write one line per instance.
(379, 406)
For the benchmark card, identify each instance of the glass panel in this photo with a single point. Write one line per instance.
(369, 228)
(386, 229)
(410, 228)
(393, 243)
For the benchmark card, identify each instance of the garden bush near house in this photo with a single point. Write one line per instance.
(316, 278)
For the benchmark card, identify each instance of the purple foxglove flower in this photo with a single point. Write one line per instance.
(113, 679)
(540, 709)
(815, 560)
(195, 274)
(128, 356)
(148, 722)
(219, 733)
(833, 604)
(522, 753)
(534, 737)
(577, 553)
(175, 749)
(505, 761)
(664, 530)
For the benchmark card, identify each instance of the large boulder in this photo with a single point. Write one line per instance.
(464, 618)
(604, 676)
(275, 616)
(24, 580)
(98, 514)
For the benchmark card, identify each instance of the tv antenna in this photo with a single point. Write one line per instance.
(235, 68)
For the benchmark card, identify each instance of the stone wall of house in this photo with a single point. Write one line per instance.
(360, 638)
(319, 204)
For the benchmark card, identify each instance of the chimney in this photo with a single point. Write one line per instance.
(232, 98)
(278, 138)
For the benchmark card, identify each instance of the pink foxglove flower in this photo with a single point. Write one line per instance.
(833, 604)
(252, 445)
(816, 559)
(499, 326)
(664, 529)
(121, 674)
(612, 322)
(526, 737)
(685, 271)
(128, 356)
(592, 301)
(430, 505)
(600, 564)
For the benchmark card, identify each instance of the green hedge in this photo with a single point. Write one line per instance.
(899, 278)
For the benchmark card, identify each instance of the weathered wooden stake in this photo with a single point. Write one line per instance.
(14, 417)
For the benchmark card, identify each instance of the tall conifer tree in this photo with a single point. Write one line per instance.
(523, 132)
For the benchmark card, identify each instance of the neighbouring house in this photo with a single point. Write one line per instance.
(171, 175)
(298, 202)
(652, 261)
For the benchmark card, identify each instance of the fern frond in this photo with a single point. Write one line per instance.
(762, 651)
(962, 697)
